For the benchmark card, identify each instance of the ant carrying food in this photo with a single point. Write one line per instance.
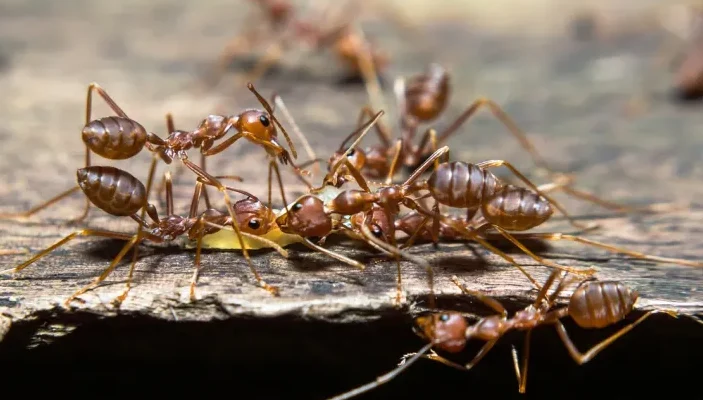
(119, 193)
(120, 137)
(593, 305)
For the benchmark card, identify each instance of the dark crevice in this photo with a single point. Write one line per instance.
(289, 357)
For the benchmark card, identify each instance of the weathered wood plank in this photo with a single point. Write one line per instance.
(569, 96)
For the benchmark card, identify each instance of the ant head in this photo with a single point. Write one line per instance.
(258, 124)
(253, 216)
(447, 331)
(377, 223)
(306, 217)
(356, 157)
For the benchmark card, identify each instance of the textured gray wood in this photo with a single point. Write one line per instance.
(570, 96)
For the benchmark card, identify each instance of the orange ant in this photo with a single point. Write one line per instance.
(593, 305)
(422, 99)
(120, 137)
(473, 187)
(119, 193)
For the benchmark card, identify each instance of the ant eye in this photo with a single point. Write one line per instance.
(297, 207)
(351, 153)
(254, 224)
(377, 231)
(264, 120)
(444, 317)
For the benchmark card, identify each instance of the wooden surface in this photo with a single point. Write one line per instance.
(572, 97)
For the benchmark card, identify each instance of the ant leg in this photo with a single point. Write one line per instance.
(434, 357)
(235, 224)
(380, 128)
(582, 358)
(489, 301)
(383, 378)
(278, 102)
(394, 162)
(110, 102)
(86, 208)
(615, 249)
(503, 163)
(223, 145)
(198, 250)
(522, 375)
(169, 211)
(472, 235)
(367, 67)
(170, 128)
(334, 255)
(394, 251)
(563, 182)
(206, 197)
(36, 209)
(135, 240)
(481, 353)
(84, 232)
(425, 165)
(503, 117)
(539, 259)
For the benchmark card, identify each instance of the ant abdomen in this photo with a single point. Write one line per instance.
(426, 95)
(113, 190)
(597, 304)
(115, 138)
(516, 209)
(461, 185)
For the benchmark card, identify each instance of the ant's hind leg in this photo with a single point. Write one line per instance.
(582, 358)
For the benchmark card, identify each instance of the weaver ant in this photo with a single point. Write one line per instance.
(120, 137)
(361, 58)
(504, 208)
(422, 99)
(593, 305)
(119, 193)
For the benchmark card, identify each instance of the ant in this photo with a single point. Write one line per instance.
(120, 137)
(474, 188)
(593, 305)
(119, 193)
(361, 58)
(422, 99)
(508, 208)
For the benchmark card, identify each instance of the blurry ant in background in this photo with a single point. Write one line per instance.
(283, 29)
